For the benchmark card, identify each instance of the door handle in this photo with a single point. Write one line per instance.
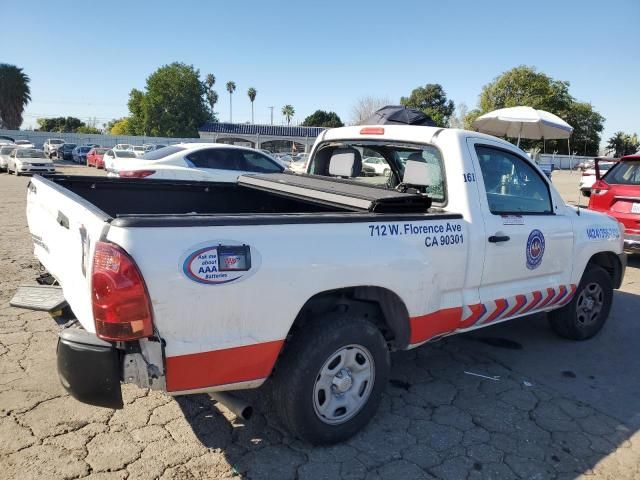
(499, 238)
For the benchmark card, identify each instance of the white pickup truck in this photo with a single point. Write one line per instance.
(311, 280)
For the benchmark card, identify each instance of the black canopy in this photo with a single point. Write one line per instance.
(399, 115)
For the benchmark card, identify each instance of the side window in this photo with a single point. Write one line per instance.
(218, 158)
(255, 162)
(512, 184)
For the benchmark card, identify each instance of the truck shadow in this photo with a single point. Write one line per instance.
(509, 401)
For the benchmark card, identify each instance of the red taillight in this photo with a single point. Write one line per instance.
(121, 306)
(372, 131)
(600, 187)
(135, 173)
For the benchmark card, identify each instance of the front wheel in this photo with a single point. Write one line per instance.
(585, 315)
(330, 378)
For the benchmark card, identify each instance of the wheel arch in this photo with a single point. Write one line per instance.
(611, 263)
(381, 306)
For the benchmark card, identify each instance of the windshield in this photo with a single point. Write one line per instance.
(30, 153)
(138, 149)
(161, 153)
(384, 162)
(101, 151)
(6, 150)
(22, 142)
(56, 142)
(625, 173)
(84, 149)
(124, 154)
(69, 146)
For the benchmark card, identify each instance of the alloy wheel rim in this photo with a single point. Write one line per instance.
(589, 304)
(343, 384)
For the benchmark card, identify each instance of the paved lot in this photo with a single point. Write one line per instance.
(559, 409)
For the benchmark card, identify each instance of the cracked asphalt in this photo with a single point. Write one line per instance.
(542, 416)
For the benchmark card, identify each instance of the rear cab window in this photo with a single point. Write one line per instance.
(382, 162)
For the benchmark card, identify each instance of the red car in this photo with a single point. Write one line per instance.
(617, 193)
(94, 157)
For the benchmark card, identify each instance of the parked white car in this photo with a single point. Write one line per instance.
(51, 146)
(138, 150)
(5, 151)
(212, 162)
(29, 160)
(24, 144)
(589, 177)
(378, 164)
(111, 156)
(148, 147)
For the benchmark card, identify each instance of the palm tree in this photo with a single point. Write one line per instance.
(14, 95)
(252, 92)
(231, 87)
(212, 99)
(288, 111)
(210, 80)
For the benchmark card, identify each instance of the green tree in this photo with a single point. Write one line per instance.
(252, 92)
(121, 127)
(15, 93)
(320, 118)
(622, 144)
(88, 129)
(525, 86)
(172, 104)
(231, 87)
(211, 95)
(288, 112)
(60, 124)
(137, 122)
(587, 128)
(432, 100)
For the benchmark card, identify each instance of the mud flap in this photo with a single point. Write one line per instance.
(89, 368)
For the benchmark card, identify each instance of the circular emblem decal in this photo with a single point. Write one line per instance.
(535, 249)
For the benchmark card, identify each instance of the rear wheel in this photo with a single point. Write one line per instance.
(585, 315)
(330, 378)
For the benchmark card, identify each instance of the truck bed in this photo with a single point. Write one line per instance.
(138, 202)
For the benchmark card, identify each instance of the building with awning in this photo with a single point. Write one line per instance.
(276, 138)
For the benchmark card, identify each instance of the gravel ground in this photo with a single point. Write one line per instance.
(435, 421)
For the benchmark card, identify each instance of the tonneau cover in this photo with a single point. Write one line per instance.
(340, 192)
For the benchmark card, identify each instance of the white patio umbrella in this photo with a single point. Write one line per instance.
(523, 122)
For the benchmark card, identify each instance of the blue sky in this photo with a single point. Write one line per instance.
(321, 54)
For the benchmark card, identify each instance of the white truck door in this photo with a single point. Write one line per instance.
(529, 235)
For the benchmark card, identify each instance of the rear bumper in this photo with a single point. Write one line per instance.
(89, 368)
(632, 242)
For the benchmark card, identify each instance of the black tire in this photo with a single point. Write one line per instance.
(574, 320)
(297, 372)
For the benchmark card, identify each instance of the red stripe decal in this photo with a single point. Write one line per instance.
(550, 294)
(219, 367)
(477, 311)
(561, 294)
(433, 324)
(537, 296)
(520, 302)
(501, 306)
(572, 292)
